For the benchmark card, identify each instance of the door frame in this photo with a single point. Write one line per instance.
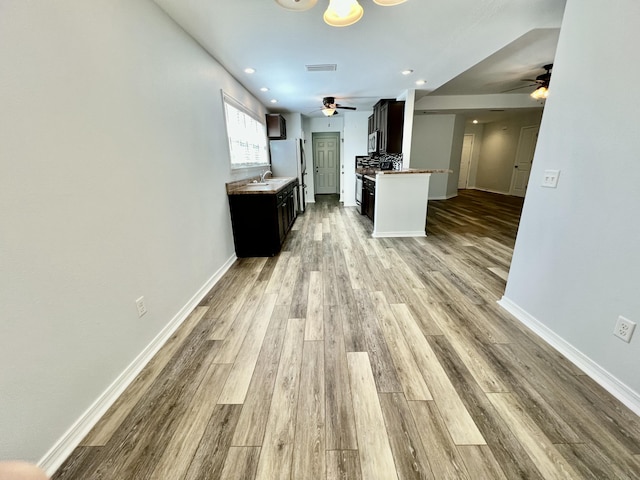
(515, 160)
(336, 136)
(473, 141)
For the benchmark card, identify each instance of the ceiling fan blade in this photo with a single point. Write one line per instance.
(345, 108)
(518, 88)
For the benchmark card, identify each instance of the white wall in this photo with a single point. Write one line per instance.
(294, 125)
(113, 160)
(576, 261)
(437, 143)
(409, 98)
(498, 151)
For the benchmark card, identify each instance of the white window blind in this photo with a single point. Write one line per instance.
(247, 135)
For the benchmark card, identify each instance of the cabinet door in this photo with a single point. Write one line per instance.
(282, 222)
(276, 126)
(384, 124)
(377, 115)
(291, 209)
(365, 200)
(255, 225)
(395, 127)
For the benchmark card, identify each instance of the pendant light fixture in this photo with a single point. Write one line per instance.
(342, 13)
(327, 112)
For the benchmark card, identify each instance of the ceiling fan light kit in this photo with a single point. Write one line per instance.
(297, 5)
(540, 93)
(329, 106)
(342, 13)
(339, 13)
(388, 3)
(541, 82)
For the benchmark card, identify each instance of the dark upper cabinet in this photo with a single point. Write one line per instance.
(388, 119)
(276, 126)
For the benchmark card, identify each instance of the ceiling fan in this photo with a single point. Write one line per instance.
(541, 82)
(329, 106)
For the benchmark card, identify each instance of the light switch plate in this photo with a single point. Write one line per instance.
(550, 179)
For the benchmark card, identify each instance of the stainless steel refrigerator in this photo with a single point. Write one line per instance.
(287, 160)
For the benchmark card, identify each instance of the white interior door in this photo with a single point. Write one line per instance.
(465, 161)
(326, 162)
(524, 159)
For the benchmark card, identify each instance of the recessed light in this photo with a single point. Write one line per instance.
(264, 89)
(273, 100)
(421, 82)
(475, 121)
(249, 70)
(407, 72)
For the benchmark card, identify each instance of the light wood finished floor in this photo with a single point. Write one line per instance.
(348, 357)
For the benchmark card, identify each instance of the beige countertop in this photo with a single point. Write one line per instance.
(246, 187)
(371, 173)
(414, 170)
(374, 171)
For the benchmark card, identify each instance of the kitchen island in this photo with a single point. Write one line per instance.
(401, 202)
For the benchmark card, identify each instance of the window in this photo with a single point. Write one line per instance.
(247, 135)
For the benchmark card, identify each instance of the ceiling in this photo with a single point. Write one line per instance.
(459, 47)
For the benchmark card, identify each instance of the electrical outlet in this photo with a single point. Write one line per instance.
(141, 306)
(550, 178)
(624, 329)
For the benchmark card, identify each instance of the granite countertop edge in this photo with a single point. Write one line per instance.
(414, 170)
(404, 171)
(241, 187)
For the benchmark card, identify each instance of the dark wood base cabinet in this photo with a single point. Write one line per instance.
(261, 222)
(368, 197)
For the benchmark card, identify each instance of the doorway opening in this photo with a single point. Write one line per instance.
(465, 160)
(326, 163)
(524, 159)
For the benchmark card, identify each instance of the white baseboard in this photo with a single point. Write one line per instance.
(615, 387)
(443, 197)
(419, 233)
(489, 190)
(72, 437)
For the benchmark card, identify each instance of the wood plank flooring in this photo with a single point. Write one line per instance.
(348, 357)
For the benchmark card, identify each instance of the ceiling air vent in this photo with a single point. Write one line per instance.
(322, 67)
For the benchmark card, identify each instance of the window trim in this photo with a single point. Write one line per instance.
(236, 104)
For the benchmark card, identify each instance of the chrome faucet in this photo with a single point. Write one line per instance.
(264, 175)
